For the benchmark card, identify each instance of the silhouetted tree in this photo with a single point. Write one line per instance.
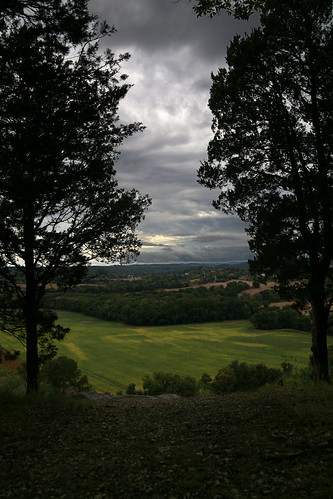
(240, 9)
(271, 155)
(60, 204)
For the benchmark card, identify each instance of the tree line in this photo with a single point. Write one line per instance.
(185, 306)
(139, 279)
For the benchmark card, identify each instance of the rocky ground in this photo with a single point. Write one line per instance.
(276, 443)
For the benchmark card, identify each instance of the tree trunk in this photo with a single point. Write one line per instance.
(32, 354)
(31, 303)
(31, 333)
(319, 358)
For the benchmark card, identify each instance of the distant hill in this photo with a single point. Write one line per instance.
(141, 269)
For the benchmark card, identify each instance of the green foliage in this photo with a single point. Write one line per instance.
(225, 381)
(293, 375)
(11, 382)
(60, 203)
(280, 318)
(162, 382)
(167, 273)
(131, 389)
(271, 155)
(241, 376)
(63, 374)
(205, 379)
(12, 323)
(191, 305)
(287, 367)
(330, 359)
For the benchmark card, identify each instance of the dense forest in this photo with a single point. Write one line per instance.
(175, 296)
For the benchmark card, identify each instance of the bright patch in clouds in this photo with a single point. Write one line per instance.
(162, 240)
(205, 214)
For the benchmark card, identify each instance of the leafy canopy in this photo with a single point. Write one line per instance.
(272, 152)
(60, 203)
(61, 134)
(271, 155)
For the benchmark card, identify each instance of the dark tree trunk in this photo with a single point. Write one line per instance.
(32, 352)
(31, 332)
(319, 358)
(31, 304)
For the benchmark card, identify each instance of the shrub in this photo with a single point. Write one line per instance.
(287, 368)
(63, 374)
(225, 381)
(131, 389)
(263, 375)
(161, 382)
(11, 382)
(204, 384)
(241, 376)
(292, 375)
(205, 379)
(330, 359)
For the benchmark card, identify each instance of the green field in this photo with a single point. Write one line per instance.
(114, 355)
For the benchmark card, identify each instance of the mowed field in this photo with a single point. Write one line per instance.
(114, 355)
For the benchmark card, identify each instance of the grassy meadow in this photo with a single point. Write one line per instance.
(114, 355)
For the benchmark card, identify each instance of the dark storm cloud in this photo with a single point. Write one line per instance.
(160, 26)
(172, 56)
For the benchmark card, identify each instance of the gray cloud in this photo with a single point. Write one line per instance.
(172, 56)
(164, 25)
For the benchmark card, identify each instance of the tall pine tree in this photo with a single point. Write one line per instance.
(272, 153)
(60, 203)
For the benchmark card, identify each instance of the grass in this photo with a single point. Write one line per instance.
(114, 355)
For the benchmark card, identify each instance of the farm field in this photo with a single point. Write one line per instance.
(114, 355)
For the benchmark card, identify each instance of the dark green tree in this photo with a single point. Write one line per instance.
(63, 374)
(271, 155)
(60, 203)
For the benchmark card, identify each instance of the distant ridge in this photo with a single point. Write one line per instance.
(179, 264)
(150, 268)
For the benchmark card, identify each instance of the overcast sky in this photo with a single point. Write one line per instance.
(172, 56)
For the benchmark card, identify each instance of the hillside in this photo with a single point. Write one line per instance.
(274, 443)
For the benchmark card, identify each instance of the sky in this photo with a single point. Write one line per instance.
(173, 54)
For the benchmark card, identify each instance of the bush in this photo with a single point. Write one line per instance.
(225, 381)
(241, 376)
(131, 389)
(287, 368)
(63, 374)
(161, 382)
(263, 375)
(205, 379)
(330, 360)
(292, 375)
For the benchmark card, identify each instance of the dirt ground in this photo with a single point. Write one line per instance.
(276, 443)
